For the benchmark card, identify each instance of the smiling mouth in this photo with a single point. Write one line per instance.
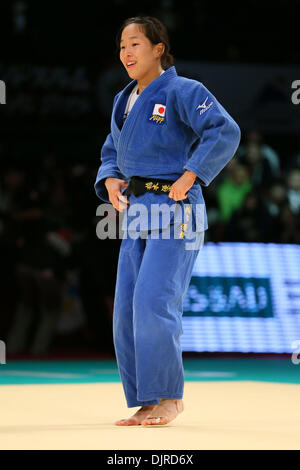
(132, 65)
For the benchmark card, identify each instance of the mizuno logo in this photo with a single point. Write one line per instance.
(204, 107)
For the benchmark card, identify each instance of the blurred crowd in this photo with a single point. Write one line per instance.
(256, 198)
(58, 279)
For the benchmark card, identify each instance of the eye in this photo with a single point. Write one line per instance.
(134, 44)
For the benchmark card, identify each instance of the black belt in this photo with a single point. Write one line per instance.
(139, 185)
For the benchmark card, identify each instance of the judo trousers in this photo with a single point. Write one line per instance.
(153, 276)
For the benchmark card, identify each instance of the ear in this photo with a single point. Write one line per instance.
(160, 48)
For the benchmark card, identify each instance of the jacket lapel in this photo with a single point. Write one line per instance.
(119, 108)
(122, 136)
(120, 105)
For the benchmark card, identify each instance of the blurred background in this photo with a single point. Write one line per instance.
(61, 70)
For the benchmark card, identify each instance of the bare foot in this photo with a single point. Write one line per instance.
(164, 412)
(137, 418)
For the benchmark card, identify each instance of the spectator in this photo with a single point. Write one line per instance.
(274, 200)
(95, 260)
(263, 161)
(39, 268)
(245, 223)
(289, 228)
(293, 193)
(232, 191)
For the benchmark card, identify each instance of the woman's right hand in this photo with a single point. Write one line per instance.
(114, 186)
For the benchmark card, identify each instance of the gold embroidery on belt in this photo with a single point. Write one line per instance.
(164, 187)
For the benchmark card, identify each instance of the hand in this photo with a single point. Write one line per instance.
(114, 186)
(182, 185)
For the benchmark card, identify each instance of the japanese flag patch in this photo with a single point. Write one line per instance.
(159, 110)
(158, 113)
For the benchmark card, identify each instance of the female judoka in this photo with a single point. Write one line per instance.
(169, 136)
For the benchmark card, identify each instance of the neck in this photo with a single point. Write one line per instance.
(148, 78)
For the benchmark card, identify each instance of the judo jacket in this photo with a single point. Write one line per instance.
(176, 124)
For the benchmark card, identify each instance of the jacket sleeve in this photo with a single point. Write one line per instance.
(219, 135)
(108, 167)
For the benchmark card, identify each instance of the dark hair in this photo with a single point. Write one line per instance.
(155, 31)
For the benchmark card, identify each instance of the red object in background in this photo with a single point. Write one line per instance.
(65, 234)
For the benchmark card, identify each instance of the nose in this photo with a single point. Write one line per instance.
(128, 56)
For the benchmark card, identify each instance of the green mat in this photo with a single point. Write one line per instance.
(57, 372)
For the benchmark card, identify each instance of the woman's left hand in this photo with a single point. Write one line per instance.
(182, 185)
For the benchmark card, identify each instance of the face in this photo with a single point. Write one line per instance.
(253, 153)
(240, 175)
(136, 47)
(277, 193)
(294, 180)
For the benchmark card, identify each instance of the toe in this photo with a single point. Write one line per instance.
(127, 422)
(121, 422)
(154, 421)
(145, 422)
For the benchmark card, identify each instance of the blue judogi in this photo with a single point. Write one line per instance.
(174, 125)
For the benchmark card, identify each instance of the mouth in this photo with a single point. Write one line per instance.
(130, 64)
